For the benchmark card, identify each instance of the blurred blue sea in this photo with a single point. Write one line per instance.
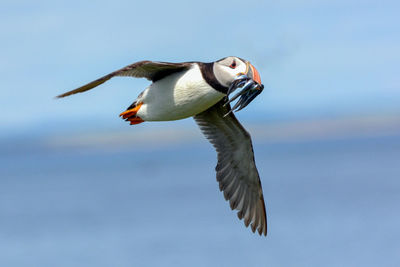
(329, 203)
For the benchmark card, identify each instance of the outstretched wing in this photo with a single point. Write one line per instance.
(236, 170)
(152, 70)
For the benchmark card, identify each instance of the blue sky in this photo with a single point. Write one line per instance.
(316, 58)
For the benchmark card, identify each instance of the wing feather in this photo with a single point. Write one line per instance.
(236, 170)
(151, 70)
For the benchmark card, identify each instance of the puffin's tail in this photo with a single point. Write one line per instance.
(130, 113)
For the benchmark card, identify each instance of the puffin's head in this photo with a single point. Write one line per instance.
(226, 70)
(236, 73)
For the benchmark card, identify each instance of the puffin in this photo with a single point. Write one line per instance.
(201, 90)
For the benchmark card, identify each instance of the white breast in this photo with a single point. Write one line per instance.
(177, 96)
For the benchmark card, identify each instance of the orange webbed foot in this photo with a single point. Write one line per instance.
(130, 115)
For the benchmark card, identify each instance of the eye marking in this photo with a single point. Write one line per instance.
(233, 65)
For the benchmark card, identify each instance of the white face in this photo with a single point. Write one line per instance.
(227, 69)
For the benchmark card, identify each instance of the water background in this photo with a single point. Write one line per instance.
(329, 203)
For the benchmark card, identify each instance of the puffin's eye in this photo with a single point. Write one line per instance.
(233, 65)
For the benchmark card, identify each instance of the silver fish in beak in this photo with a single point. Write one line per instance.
(250, 86)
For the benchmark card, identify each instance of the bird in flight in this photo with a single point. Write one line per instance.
(201, 90)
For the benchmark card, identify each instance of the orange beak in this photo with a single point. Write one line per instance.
(252, 72)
